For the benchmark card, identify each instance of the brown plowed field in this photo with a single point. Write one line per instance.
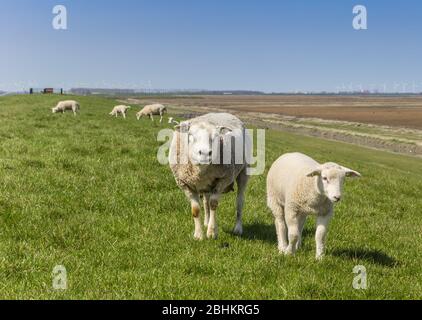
(398, 111)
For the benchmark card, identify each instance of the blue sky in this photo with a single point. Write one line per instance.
(269, 45)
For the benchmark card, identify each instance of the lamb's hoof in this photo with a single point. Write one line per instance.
(282, 251)
(319, 257)
(212, 233)
(198, 236)
(238, 230)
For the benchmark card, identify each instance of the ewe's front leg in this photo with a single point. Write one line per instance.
(321, 233)
(196, 209)
(212, 232)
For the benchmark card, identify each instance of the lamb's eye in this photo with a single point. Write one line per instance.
(325, 179)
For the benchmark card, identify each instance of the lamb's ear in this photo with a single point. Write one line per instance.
(351, 173)
(314, 173)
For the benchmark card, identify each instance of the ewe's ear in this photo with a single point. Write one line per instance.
(316, 172)
(224, 130)
(351, 173)
(182, 127)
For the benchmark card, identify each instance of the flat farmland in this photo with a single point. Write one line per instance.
(396, 111)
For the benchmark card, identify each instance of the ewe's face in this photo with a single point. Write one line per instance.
(331, 179)
(201, 149)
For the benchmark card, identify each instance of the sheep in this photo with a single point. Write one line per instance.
(152, 110)
(195, 160)
(172, 121)
(298, 186)
(122, 109)
(62, 106)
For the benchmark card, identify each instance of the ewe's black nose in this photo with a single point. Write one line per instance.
(337, 199)
(209, 153)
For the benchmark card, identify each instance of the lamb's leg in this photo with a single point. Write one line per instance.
(320, 234)
(206, 209)
(212, 232)
(302, 222)
(293, 221)
(242, 181)
(280, 223)
(196, 209)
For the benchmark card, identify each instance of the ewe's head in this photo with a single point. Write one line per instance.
(331, 179)
(203, 141)
(53, 110)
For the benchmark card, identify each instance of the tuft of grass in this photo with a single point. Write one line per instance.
(87, 193)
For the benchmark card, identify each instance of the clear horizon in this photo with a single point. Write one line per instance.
(270, 46)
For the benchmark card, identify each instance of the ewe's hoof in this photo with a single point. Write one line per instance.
(212, 233)
(198, 236)
(238, 230)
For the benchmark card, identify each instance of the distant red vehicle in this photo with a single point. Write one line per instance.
(48, 91)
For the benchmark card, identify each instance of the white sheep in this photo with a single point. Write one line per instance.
(298, 186)
(172, 121)
(122, 109)
(204, 165)
(152, 110)
(62, 106)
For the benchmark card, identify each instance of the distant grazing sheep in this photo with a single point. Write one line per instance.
(62, 106)
(152, 110)
(298, 186)
(122, 109)
(199, 171)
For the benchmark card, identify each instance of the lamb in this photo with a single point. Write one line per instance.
(62, 106)
(152, 110)
(122, 109)
(195, 155)
(298, 186)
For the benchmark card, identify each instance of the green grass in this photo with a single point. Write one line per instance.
(87, 192)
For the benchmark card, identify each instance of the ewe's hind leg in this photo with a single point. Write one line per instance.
(206, 209)
(196, 210)
(242, 181)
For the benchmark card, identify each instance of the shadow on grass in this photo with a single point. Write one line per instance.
(267, 233)
(373, 256)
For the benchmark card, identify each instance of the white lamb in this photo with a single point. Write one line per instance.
(122, 109)
(152, 110)
(62, 106)
(298, 186)
(204, 165)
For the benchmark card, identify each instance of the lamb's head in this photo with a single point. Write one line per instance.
(203, 141)
(331, 179)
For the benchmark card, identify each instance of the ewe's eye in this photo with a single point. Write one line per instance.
(325, 179)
